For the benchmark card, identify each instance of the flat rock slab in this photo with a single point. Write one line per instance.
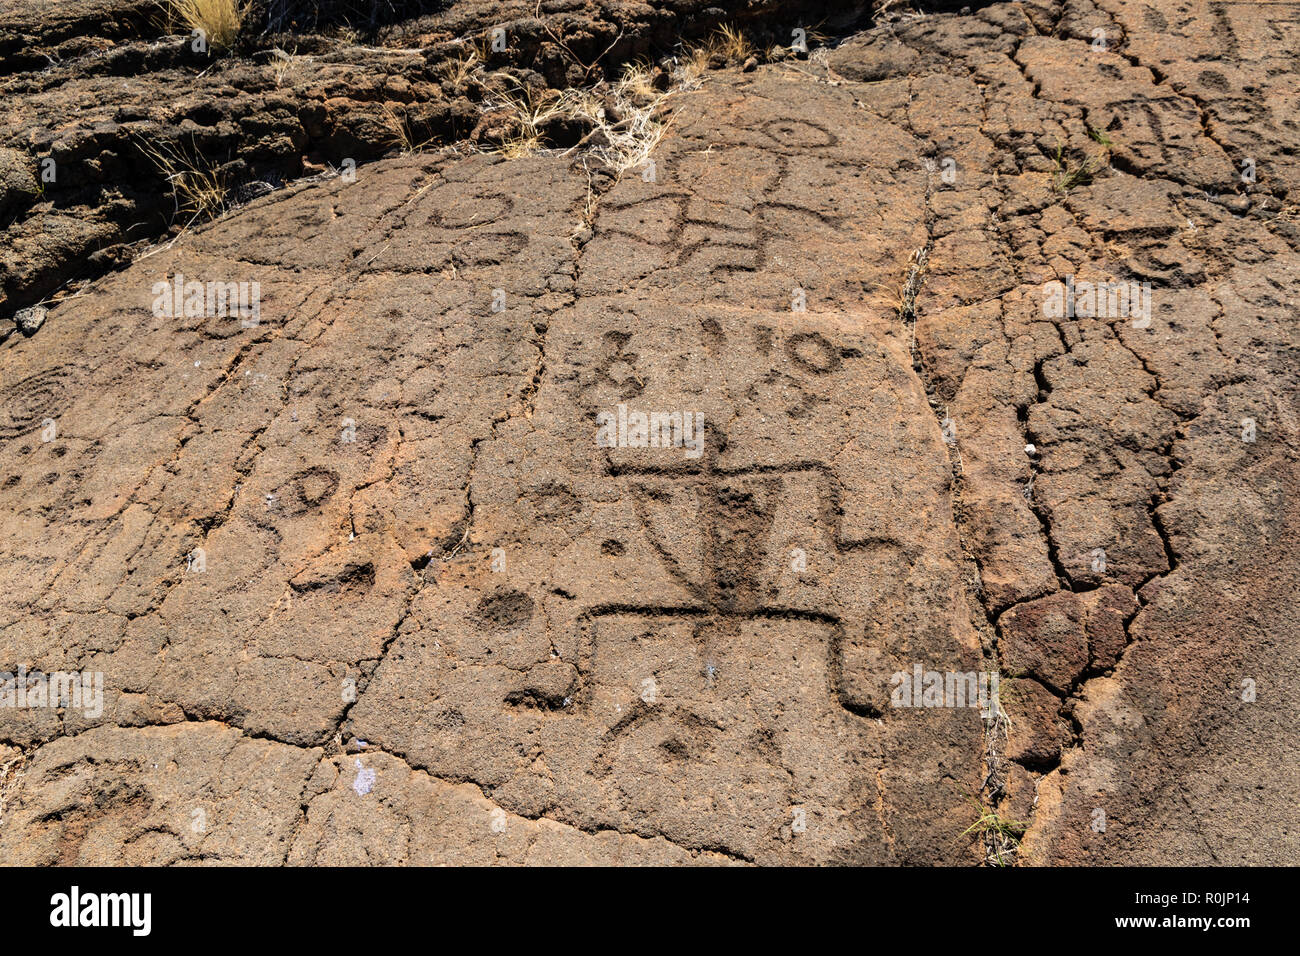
(412, 534)
(400, 571)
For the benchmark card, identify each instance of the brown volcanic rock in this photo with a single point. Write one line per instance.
(372, 809)
(102, 88)
(158, 795)
(1046, 639)
(1038, 731)
(1057, 638)
(647, 659)
(373, 543)
(1135, 429)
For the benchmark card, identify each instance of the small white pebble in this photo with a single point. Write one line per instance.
(1031, 451)
(365, 780)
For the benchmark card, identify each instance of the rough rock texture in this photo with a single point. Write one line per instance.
(364, 586)
(96, 92)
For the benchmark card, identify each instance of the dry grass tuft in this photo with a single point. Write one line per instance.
(284, 67)
(1070, 174)
(220, 20)
(640, 108)
(692, 65)
(399, 127)
(727, 45)
(460, 70)
(198, 186)
(733, 44)
(1001, 836)
(626, 118)
(907, 292)
(527, 112)
(637, 82)
(730, 46)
